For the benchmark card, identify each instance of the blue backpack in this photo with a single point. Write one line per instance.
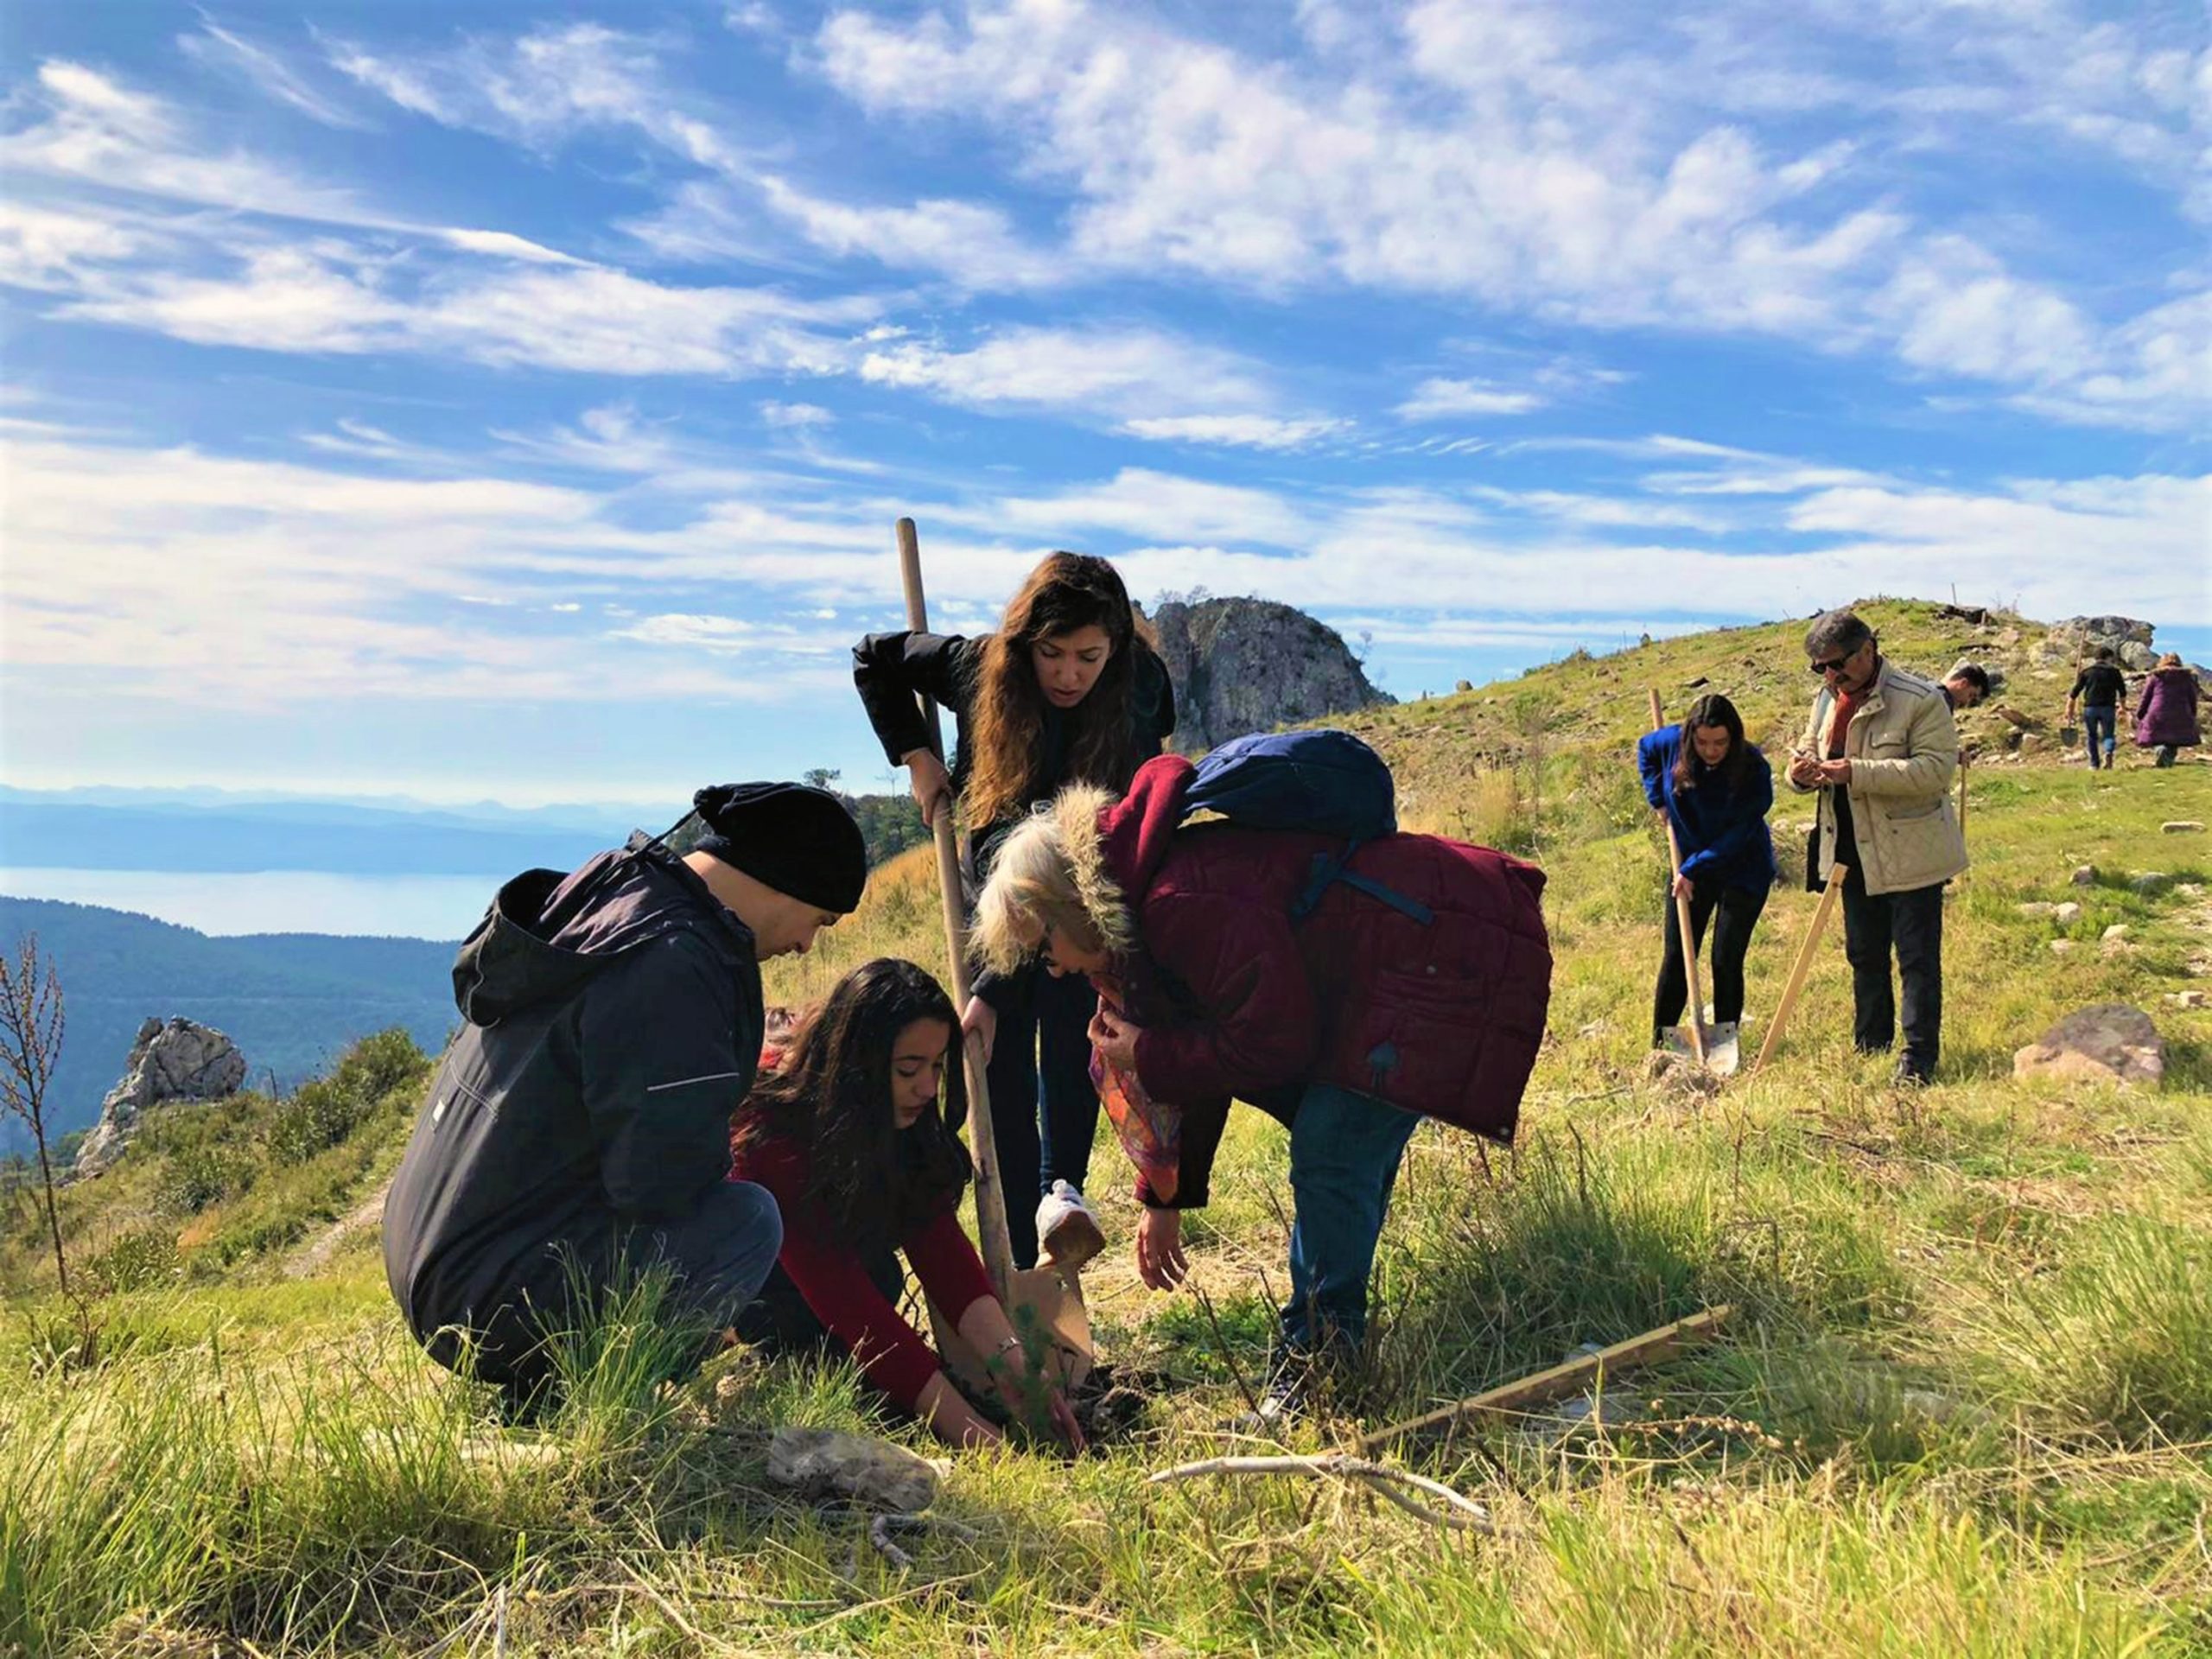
(1325, 783)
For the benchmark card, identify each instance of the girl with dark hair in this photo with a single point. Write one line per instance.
(1069, 690)
(849, 1132)
(1717, 789)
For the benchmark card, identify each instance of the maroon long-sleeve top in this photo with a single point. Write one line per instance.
(827, 1271)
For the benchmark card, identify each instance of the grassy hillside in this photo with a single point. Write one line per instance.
(1966, 1409)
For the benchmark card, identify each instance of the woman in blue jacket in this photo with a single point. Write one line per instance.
(1716, 789)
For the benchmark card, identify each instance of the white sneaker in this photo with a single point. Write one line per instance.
(1067, 1233)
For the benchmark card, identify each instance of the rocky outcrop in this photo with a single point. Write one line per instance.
(1250, 665)
(180, 1060)
(2076, 639)
(2110, 1043)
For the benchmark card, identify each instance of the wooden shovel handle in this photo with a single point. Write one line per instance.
(1803, 965)
(990, 1193)
(1681, 909)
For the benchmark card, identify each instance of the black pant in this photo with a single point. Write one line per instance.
(781, 1322)
(1911, 922)
(717, 1254)
(1044, 1109)
(1738, 911)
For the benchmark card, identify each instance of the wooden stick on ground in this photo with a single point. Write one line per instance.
(1682, 909)
(1542, 1386)
(1803, 965)
(990, 1193)
(1461, 1511)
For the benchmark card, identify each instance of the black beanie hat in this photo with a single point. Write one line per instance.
(799, 841)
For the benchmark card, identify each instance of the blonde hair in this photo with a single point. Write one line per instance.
(2172, 659)
(1050, 872)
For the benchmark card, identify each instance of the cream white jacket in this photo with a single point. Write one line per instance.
(1904, 748)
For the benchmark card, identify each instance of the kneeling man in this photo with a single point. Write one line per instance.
(578, 1129)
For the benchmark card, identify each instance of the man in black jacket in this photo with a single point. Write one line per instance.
(578, 1129)
(2101, 689)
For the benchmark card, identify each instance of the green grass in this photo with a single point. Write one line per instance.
(1966, 1408)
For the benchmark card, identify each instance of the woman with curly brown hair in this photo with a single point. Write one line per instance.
(1068, 690)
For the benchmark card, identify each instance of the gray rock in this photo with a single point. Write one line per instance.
(2085, 876)
(2066, 914)
(2184, 826)
(2060, 947)
(2037, 907)
(2151, 881)
(2117, 930)
(180, 1060)
(822, 1463)
(2188, 999)
(2141, 658)
(2112, 1042)
(1245, 665)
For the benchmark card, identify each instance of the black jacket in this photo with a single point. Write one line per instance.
(891, 668)
(615, 1022)
(2100, 685)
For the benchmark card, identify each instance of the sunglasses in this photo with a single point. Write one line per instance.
(1834, 665)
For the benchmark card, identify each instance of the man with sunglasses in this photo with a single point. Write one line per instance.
(1880, 748)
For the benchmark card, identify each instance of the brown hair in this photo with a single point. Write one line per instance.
(1066, 591)
(867, 1178)
(1713, 709)
(2172, 659)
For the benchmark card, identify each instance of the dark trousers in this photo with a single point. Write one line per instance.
(1911, 923)
(1345, 1151)
(1044, 1109)
(1739, 914)
(717, 1256)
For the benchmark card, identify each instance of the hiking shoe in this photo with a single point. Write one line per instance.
(1908, 1075)
(1067, 1233)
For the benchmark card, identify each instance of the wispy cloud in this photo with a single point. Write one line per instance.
(268, 72)
(1128, 374)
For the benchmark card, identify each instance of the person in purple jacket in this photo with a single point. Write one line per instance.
(1716, 788)
(2166, 714)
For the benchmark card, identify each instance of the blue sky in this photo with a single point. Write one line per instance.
(514, 402)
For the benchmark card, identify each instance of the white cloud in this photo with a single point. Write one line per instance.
(270, 73)
(795, 416)
(976, 246)
(47, 249)
(1125, 373)
(1443, 399)
(1235, 432)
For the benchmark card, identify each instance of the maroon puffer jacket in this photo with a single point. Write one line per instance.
(1443, 1019)
(2166, 712)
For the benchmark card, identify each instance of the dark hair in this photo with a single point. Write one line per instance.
(1067, 591)
(869, 1179)
(1974, 674)
(2104, 653)
(1712, 709)
(1836, 631)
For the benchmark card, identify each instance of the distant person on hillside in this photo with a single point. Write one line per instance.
(577, 1131)
(1069, 690)
(848, 1132)
(2166, 714)
(2101, 689)
(1965, 686)
(1716, 788)
(1227, 962)
(1881, 749)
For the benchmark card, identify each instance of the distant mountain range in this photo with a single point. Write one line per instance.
(47, 830)
(291, 1001)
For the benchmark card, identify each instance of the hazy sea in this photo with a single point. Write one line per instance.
(274, 901)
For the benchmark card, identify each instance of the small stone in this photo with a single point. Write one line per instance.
(2189, 890)
(2116, 932)
(823, 1463)
(2151, 881)
(2184, 826)
(2037, 907)
(2066, 914)
(2112, 1042)
(2085, 876)
(2188, 999)
(2060, 947)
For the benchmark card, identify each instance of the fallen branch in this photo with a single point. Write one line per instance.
(1462, 1512)
(879, 1534)
(1545, 1386)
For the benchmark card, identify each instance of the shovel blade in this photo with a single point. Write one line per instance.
(1037, 1298)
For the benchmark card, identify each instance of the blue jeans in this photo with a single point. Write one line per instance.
(2094, 720)
(1344, 1150)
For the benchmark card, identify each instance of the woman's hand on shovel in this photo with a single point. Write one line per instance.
(981, 1021)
